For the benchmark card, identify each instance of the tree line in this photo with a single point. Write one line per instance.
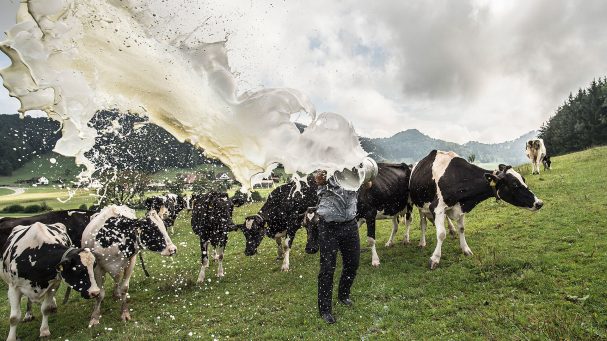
(579, 123)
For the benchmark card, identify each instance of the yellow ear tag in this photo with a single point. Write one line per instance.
(265, 225)
(139, 231)
(492, 183)
(60, 267)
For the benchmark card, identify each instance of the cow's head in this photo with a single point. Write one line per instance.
(153, 236)
(77, 270)
(511, 188)
(310, 222)
(546, 161)
(254, 229)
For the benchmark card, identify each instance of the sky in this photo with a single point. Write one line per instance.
(487, 71)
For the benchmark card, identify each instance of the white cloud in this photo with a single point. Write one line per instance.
(479, 70)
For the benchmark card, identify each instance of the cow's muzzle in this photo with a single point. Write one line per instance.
(169, 251)
(538, 204)
(94, 294)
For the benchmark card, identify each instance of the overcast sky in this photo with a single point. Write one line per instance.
(461, 71)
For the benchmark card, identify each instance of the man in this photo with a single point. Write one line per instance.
(337, 231)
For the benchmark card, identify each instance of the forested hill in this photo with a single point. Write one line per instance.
(411, 146)
(151, 148)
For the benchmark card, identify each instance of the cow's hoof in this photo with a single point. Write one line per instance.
(28, 318)
(432, 264)
(405, 242)
(389, 244)
(125, 316)
(375, 264)
(45, 336)
(468, 252)
(453, 233)
(421, 246)
(220, 275)
(53, 309)
(116, 297)
(93, 323)
(284, 268)
(200, 280)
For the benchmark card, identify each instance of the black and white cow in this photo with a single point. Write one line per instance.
(444, 184)
(35, 260)
(388, 198)
(75, 222)
(309, 221)
(547, 163)
(212, 223)
(535, 151)
(115, 236)
(167, 206)
(280, 216)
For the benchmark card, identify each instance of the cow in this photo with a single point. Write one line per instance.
(535, 151)
(280, 216)
(35, 260)
(75, 222)
(444, 184)
(547, 163)
(115, 237)
(388, 198)
(168, 207)
(309, 221)
(212, 223)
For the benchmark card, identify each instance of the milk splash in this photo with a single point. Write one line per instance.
(72, 58)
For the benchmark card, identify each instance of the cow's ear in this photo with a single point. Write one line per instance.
(492, 178)
(64, 263)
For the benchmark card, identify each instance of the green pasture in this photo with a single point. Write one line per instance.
(5, 191)
(64, 168)
(533, 276)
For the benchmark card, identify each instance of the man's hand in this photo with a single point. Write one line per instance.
(367, 185)
(321, 178)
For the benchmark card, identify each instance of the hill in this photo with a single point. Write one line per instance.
(411, 146)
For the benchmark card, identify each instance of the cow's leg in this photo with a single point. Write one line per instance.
(100, 280)
(124, 289)
(452, 230)
(408, 218)
(371, 239)
(14, 297)
(29, 314)
(46, 309)
(285, 262)
(279, 256)
(204, 249)
(394, 230)
(423, 224)
(462, 238)
(220, 260)
(439, 221)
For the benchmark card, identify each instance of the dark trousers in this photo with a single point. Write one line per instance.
(333, 237)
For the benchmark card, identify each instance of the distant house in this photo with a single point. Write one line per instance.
(42, 181)
(188, 179)
(223, 176)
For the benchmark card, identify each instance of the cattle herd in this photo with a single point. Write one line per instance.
(80, 247)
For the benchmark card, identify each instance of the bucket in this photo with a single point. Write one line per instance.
(352, 179)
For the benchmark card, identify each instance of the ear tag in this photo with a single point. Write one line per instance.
(139, 231)
(60, 267)
(492, 183)
(210, 206)
(265, 225)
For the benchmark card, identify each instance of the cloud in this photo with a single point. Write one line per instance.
(466, 70)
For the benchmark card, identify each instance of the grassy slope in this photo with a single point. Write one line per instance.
(42, 166)
(514, 287)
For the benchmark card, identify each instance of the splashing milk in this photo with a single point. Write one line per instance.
(71, 58)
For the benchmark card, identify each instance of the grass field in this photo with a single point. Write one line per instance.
(42, 166)
(533, 276)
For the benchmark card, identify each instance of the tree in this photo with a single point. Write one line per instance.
(176, 186)
(123, 187)
(202, 185)
(471, 158)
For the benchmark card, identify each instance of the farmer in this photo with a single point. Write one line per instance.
(337, 231)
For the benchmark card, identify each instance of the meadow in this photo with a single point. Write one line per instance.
(533, 276)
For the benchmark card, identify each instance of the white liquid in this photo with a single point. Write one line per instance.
(73, 58)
